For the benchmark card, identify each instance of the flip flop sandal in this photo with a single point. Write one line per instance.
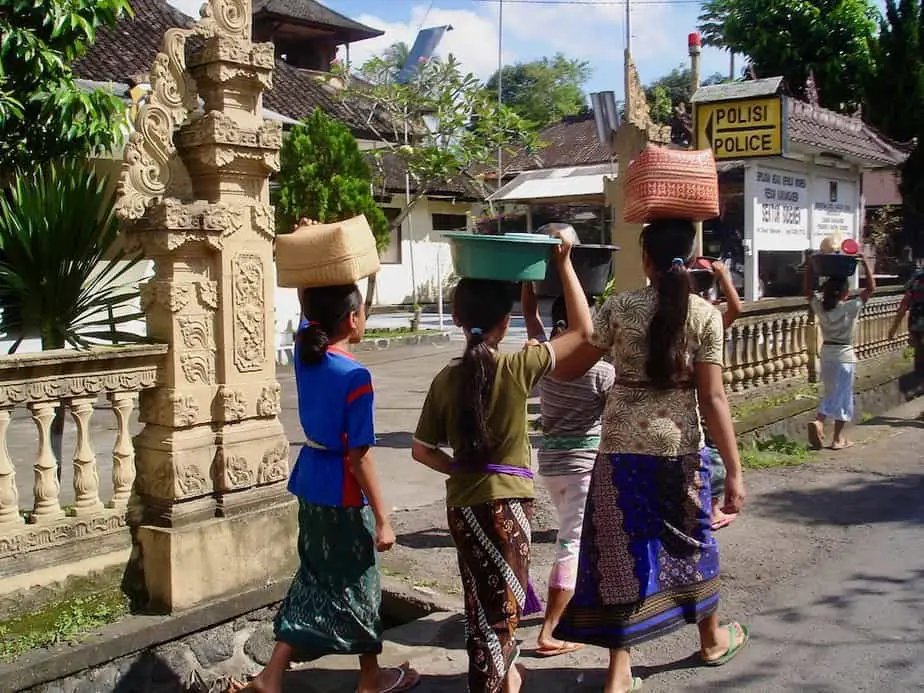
(566, 648)
(407, 679)
(848, 444)
(636, 684)
(733, 649)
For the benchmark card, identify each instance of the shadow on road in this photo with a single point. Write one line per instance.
(862, 501)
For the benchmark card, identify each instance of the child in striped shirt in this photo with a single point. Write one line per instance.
(570, 413)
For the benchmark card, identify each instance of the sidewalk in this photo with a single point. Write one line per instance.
(826, 565)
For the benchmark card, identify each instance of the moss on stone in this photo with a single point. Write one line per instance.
(66, 620)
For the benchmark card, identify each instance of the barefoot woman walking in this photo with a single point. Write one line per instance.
(648, 562)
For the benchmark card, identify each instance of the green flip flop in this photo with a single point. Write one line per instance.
(637, 684)
(733, 649)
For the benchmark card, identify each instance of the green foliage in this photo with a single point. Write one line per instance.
(775, 451)
(324, 177)
(673, 89)
(831, 38)
(543, 91)
(43, 113)
(896, 89)
(63, 273)
(454, 127)
(64, 621)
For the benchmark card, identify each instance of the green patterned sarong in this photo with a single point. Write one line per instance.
(333, 604)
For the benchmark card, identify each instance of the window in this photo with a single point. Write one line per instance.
(449, 222)
(392, 254)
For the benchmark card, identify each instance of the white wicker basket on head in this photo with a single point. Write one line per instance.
(326, 254)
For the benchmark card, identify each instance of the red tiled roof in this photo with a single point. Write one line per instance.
(125, 53)
(570, 142)
(828, 131)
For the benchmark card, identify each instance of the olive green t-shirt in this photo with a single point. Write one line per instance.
(517, 375)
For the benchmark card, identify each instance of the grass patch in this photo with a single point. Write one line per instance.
(746, 410)
(776, 451)
(64, 621)
(396, 332)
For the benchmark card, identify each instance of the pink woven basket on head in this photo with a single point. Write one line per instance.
(671, 184)
(326, 254)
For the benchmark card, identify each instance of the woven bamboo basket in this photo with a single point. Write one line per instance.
(671, 184)
(326, 254)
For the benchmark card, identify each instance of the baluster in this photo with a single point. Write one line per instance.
(776, 332)
(9, 496)
(737, 374)
(786, 337)
(762, 370)
(747, 333)
(800, 349)
(123, 452)
(47, 488)
(86, 475)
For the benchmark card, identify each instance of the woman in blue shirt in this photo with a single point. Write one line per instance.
(333, 603)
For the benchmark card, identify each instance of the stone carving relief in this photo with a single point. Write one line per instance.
(263, 220)
(274, 466)
(196, 331)
(160, 406)
(47, 536)
(234, 470)
(637, 112)
(173, 297)
(249, 313)
(233, 404)
(190, 481)
(270, 401)
(199, 369)
(224, 218)
(228, 17)
(75, 386)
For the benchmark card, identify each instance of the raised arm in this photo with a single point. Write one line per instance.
(903, 309)
(530, 305)
(733, 301)
(867, 293)
(574, 354)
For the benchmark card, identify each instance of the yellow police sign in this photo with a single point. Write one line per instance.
(741, 129)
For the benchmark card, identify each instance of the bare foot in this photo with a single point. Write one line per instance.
(625, 685)
(259, 684)
(514, 681)
(816, 434)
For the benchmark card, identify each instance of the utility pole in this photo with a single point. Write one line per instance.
(694, 44)
(500, 100)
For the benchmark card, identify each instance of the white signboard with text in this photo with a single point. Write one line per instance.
(834, 209)
(781, 210)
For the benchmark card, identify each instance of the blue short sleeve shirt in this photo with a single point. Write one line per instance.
(335, 407)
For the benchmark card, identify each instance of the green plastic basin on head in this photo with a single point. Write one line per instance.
(514, 257)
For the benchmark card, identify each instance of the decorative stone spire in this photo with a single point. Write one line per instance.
(194, 192)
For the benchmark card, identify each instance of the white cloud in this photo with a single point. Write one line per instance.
(473, 39)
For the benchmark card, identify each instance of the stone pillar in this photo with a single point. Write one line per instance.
(212, 459)
(629, 141)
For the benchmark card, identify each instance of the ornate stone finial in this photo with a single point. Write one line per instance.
(811, 88)
(637, 111)
(228, 17)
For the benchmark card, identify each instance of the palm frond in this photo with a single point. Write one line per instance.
(62, 270)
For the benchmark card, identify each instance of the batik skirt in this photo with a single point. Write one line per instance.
(492, 542)
(333, 604)
(648, 561)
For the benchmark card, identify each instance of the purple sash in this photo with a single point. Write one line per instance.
(533, 603)
(521, 472)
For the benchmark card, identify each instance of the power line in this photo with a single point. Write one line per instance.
(598, 3)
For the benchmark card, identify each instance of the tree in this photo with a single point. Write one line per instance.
(440, 126)
(323, 176)
(677, 87)
(831, 39)
(43, 113)
(544, 90)
(898, 72)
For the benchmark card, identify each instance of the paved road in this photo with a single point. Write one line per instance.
(827, 566)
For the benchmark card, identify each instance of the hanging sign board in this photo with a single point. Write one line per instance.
(741, 129)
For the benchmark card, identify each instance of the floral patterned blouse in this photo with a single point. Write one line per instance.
(638, 418)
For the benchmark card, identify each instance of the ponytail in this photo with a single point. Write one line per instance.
(667, 334)
(477, 371)
(668, 246)
(326, 308)
(832, 292)
(480, 306)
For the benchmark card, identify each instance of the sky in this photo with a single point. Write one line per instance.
(591, 30)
